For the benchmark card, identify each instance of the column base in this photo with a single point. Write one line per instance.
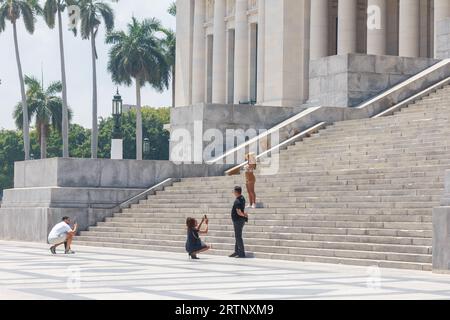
(348, 80)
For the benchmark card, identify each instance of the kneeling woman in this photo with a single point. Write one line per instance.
(194, 245)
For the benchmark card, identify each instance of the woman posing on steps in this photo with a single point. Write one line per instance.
(194, 245)
(250, 178)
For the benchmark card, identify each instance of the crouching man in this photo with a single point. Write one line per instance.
(62, 233)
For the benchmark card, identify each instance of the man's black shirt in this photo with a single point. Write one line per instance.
(239, 203)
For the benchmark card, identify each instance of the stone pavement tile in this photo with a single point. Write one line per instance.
(128, 274)
(7, 294)
(125, 296)
(423, 286)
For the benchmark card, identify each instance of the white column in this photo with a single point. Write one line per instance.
(319, 29)
(377, 27)
(285, 58)
(219, 53)
(183, 65)
(347, 18)
(441, 11)
(199, 56)
(241, 56)
(409, 28)
(261, 50)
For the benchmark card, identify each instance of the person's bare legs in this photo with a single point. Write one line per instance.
(251, 193)
(69, 241)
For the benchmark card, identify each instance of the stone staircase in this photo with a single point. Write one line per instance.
(360, 192)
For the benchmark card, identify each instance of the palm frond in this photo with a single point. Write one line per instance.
(54, 88)
(49, 12)
(28, 14)
(3, 15)
(107, 14)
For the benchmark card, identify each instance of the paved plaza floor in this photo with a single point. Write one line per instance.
(29, 271)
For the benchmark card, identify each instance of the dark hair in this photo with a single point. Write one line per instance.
(238, 189)
(190, 223)
(65, 218)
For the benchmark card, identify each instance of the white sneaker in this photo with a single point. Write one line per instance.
(254, 206)
(248, 207)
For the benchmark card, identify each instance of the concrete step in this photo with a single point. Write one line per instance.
(342, 253)
(177, 217)
(389, 229)
(328, 223)
(179, 234)
(423, 212)
(250, 241)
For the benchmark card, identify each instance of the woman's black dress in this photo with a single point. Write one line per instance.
(193, 242)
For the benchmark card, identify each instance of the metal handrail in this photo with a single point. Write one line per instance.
(264, 134)
(415, 97)
(292, 139)
(158, 187)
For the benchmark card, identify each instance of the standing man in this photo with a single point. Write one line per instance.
(239, 218)
(62, 233)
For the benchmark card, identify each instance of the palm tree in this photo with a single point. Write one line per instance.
(92, 12)
(138, 54)
(45, 106)
(172, 9)
(170, 47)
(53, 8)
(13, 10)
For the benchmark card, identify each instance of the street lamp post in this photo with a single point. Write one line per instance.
(117, 137)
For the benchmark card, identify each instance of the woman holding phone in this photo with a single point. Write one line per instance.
(194, 245)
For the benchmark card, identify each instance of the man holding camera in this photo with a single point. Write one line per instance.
(239, 217)
(60, 234)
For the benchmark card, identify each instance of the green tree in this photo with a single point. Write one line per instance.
(45, 106)
(79, 141)
(92, 12)
(13, 10)
(153, 120)
(138, 55)
(11, 150)
(53, 9)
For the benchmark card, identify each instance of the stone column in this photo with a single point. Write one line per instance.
(219, 53)
(347, 19)
(199, 56)
(441, 11)
(285, 65)
(319, 29)
(377, 27)
(241, 56)
(261, 50)
(409, 28)
(183, 64)
(441, 231)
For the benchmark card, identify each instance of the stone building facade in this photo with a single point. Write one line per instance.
(260, 51)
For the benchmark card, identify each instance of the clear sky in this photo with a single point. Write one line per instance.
(42, 49)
